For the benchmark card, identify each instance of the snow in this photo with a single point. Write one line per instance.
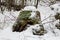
(7, 34)
(45, 12)
(56, 7)
(30, 8)
(8, 18)
(33, 15)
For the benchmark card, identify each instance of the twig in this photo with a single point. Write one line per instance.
(48, 22)
(45, 19)
(9, 17)
(12, 15)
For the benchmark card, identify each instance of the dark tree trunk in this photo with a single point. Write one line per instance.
(37, 3)
(22, 3)
(0, 3)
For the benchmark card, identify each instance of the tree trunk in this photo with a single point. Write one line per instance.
(37, 3)
(22, 4)
(0, 3)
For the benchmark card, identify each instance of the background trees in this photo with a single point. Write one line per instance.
(19, 4)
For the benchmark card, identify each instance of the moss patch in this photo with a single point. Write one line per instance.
(24, 15)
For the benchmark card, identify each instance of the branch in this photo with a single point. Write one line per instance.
(48, 22)
(45, 18)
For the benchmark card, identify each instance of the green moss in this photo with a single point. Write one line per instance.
(25, 15)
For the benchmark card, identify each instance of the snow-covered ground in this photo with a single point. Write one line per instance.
(8, 18)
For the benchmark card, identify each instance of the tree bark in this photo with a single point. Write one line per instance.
(22, 3)
(0, 3)
(37, 3)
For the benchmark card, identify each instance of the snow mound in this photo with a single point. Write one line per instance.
(56, 7)
(32, 8)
